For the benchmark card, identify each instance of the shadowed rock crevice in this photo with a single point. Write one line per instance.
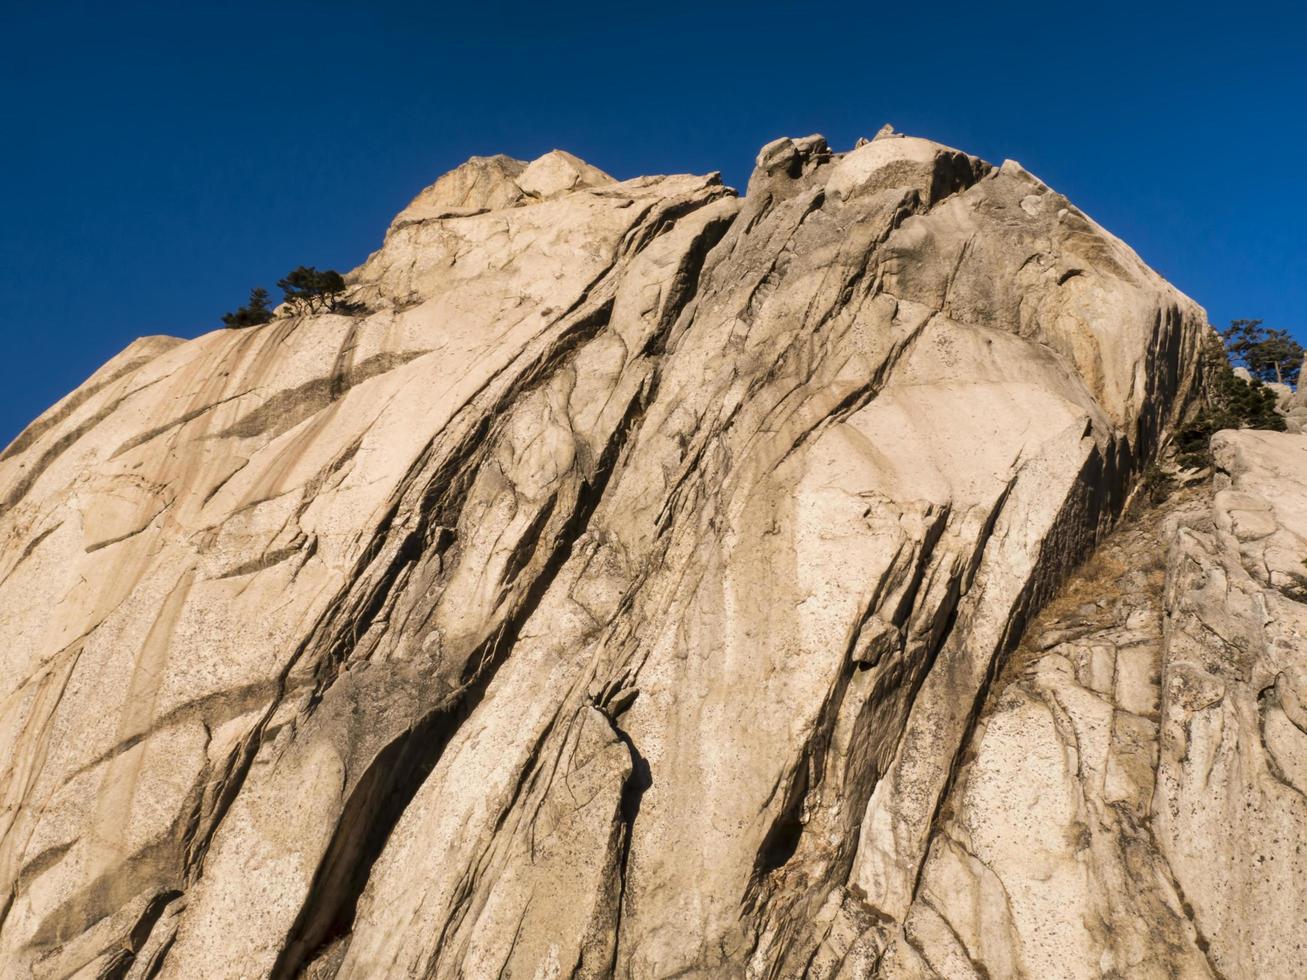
(286, 409)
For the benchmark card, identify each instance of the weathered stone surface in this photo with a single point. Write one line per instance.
(211, 549)
(1042, 863)
(616, 593)
(1230, 812)
(1132, 804)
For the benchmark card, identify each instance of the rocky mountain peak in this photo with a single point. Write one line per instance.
(640, 580)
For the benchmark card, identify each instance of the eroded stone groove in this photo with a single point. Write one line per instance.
(330, 902)
(640, 587)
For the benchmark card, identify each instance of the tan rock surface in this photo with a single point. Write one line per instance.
(1042, 864)
(1132, 802)
(1230, 812)
(616, 595)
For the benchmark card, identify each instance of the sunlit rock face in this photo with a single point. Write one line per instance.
(639, 581)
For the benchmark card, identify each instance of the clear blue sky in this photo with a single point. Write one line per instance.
(161, 158)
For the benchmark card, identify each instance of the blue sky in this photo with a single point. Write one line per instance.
(161, 158)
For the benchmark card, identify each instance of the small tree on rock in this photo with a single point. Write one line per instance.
(1269, 355)
(309, 291)
(1229, 402)
(253, 313)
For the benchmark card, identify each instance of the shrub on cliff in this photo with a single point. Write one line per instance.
(253, 313)
(1229, 402)
(309, 291)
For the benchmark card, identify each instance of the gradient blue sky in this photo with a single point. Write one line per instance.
(161, 158)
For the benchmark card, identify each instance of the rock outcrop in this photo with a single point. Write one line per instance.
(1294, 405)
(1132, 801)
(637, 583)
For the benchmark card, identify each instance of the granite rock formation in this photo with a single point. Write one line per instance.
(1133, 801)
(647, 581)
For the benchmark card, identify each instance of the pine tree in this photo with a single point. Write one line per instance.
(1269, 355)
(253, 313)
(307, 290)
(1229, 402)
